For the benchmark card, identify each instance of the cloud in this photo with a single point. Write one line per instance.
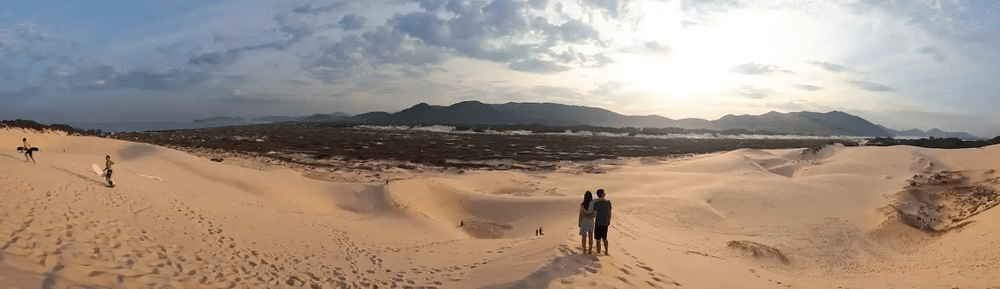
(830, 66)
(538, 4)
(789, 106)
(807, 87)
(26, 92)
(607, 88)
(935, 53)
(360, 54)
(710, 6)
(169, 81)
(754, 92)
(944, 19)
(242, 79)
(869, 86)
(312, 49)
(229, 56)
(537, 66)
(686, 24)
(612, 7)
(217, 57)
(754, 69)
(312, 9)
(299, 82)
(352, 22)
(250, 99)
(509, 32)
(656, 47)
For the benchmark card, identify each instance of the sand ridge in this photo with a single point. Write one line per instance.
(187, 222)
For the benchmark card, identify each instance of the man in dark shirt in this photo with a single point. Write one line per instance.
(602, 207)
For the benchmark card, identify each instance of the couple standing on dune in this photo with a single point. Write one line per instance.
(594, 219)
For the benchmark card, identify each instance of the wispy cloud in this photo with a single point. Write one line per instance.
(807, 87)
(870, 86)
(935, 53)
(754, 68)
(754, 92)
(830, 66)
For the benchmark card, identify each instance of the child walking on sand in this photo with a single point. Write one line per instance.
(27, 151)
(107, 171)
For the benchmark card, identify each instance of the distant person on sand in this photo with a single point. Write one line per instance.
(107, 171)
(27, 151)
(586, 223)
(602, 207)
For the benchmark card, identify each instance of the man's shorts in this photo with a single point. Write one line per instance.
(601, 232)
(108, 173)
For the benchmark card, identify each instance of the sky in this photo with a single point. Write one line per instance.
(903, 64)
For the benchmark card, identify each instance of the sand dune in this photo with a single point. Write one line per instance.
(837, 217)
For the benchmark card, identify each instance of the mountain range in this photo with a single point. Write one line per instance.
(937, 133)
(834, 123)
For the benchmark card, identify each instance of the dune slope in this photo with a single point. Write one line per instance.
(838, 217)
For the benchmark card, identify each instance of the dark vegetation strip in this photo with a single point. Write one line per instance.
(27, 124)
(937, 143)
(443, 149)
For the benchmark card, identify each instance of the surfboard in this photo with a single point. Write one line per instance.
(100, 173)
(22, 148)
(97, 169)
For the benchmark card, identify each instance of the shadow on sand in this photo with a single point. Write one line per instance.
(562, 267)
(136, 151)
(79, 175)
(10, 156)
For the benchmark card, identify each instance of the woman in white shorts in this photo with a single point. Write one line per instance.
(586, 223)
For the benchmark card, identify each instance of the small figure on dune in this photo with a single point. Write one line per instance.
(107, 171)
(540, 232)
(27, 151)
(586, 223)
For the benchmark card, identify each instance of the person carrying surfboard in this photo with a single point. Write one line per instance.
(27, 151)
(107, 171)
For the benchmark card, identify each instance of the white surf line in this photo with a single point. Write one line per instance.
(150, 177)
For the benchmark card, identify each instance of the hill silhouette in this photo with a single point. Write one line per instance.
(475, 113)
(553, 114)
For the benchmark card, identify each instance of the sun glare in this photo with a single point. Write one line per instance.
(699, 58)
(678, 75)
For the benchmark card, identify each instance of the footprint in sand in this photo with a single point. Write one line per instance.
(624, 280)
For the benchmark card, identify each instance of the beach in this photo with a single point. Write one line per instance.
(833, 217)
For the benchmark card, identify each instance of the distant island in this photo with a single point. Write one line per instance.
(935, 133)
(219, 119)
